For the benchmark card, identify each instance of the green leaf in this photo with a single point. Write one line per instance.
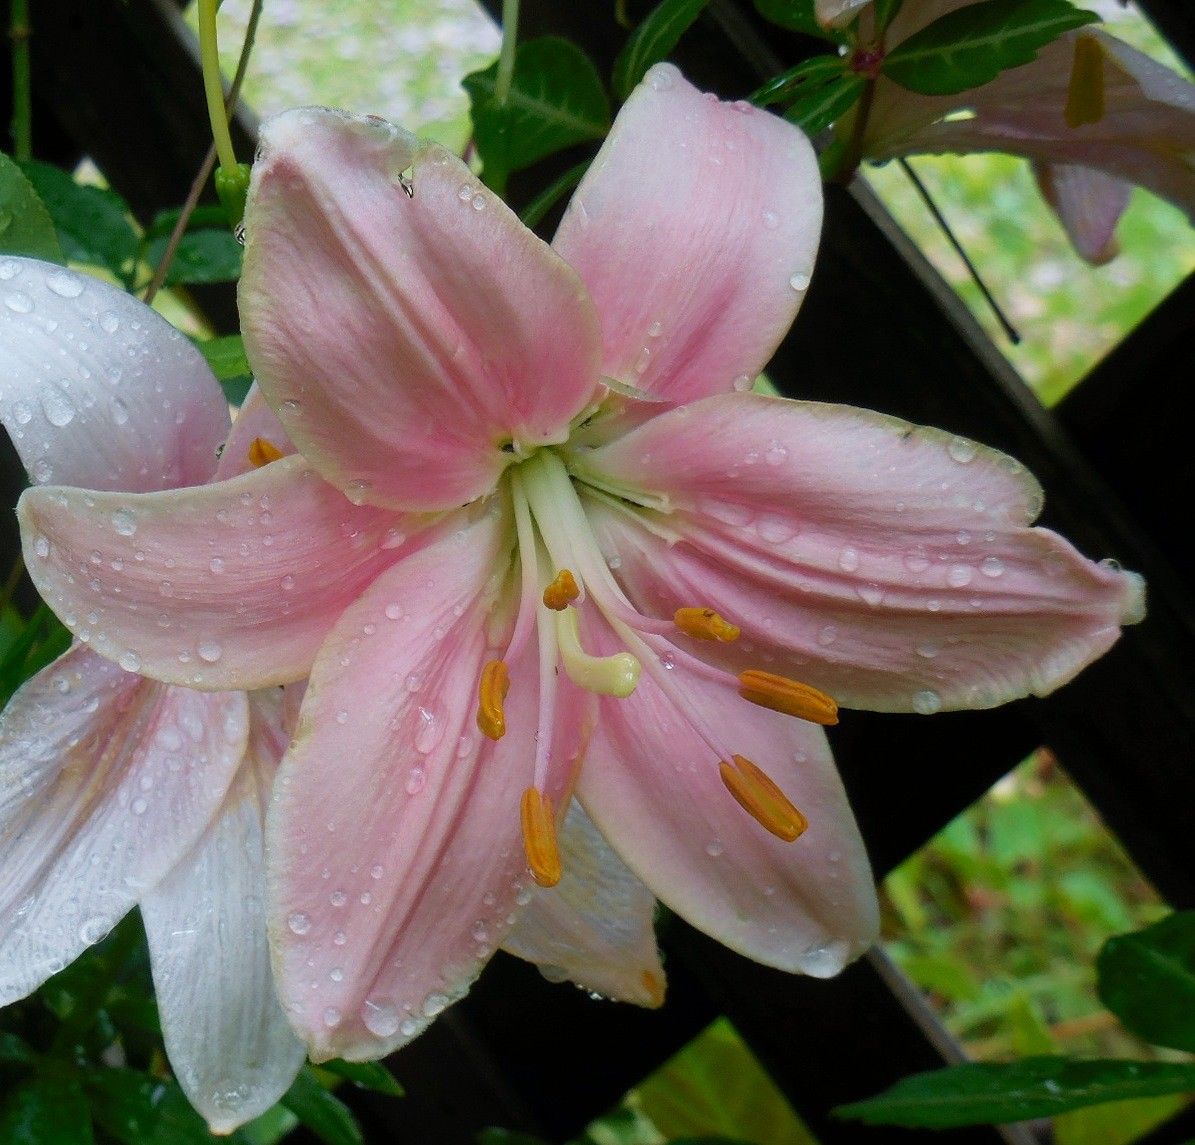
(652, 41)
(202, 257)
(48, 1109)
(206, 216)
(534, 211)
(972, 45)
(368, 1075)
(1147, 979)
(142, 1110)
(807, 76)
(92, 222)
(13, 1051)
(883, 12)
(226, 356)
(556, 101)
(26, 227)
(819, 108)
(1116, 1123)
(797, 16)
(984, 1094)
(322, 1112)
(494, 1136)
(715, 1086)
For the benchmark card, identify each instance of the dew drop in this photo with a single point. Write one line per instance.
(435, 1004)
(991, 566)
(960, 576)
(332, 1017)
(91, 930)
(393, 611)
(139, 806)
(380, 1018)
(962, 450)
(129, 661)
(124, 522)
(41, 547)
(338, 898)
(336, 973)
(743, 382)
(800, 280)
(416, 781)
(18, 302)
(926, 702)
(713, 848)
(298, 922)
(65, 284)
(209, 651)
(827, 635)
(120, 411)
(479, 202)
(375, 872)
(392, 539)
(771, 220)
(216, 564)
(109, 322)
(57, 407)
(871, 594)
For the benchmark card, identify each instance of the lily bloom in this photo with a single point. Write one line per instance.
(1094, 115)
(540, 539)
(117, 791)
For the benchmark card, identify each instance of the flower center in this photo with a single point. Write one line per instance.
(568, 593)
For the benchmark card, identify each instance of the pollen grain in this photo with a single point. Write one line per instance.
(788, 696)
(758, 795)
(705, 624)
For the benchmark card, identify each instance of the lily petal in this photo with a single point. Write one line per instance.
(1088, 203)
(595, 926)
(1141, 131)
(404, 336)
(97, 390)
(228, 585)
(652, 787)
(115, 777)
(695, 231)
(229, 1042)
(888, 565)
(394, 841)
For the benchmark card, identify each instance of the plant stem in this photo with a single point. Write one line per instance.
(210, 57)
(209, 161)
(853, 154)
(22, 101)
(506, 61)
(10, 584)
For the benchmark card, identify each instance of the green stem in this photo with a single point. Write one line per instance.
(209, 55)
(10, 585)
(853, 154)
(506, 61)
(108, 969)
(22, 101)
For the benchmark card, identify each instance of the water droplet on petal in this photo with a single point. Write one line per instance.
(65, 284)
(380, 1018)
(18, 301)
(926, 702)
(713, 848)
(962, 450)
(435, 1004)
(799, 280)
(109, 322)
(209, 650)
(827, 635)
(57, 407)
(332, 1017)
(848, 560)
(298, 922)
(338, 898)
(991, 566)
(959, 576)
(129, 661)
(124, 521)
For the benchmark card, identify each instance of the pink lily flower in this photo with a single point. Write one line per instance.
(1094, 115)
(540, 539)
(117, 791)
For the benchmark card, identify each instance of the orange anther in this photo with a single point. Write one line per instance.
(495, 683)
(758, 795)
(653, 986)
(705, 624)
(788, 696)
(262, 452)
(539, 838)
(562, 591)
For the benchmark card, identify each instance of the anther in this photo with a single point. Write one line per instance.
(262, 452)
(1085, 90)
(788, 696)
(495, 683)
(705, 624)
(539, 838)
(562, 591)
(758, 795)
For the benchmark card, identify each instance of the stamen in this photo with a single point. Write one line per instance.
(262, 452)
(788, 696)
(614, 675)
(1085, 91)
(653, 986)
(562, 591)
(705, 624)
(539, 838)
(495, 683)
(759, 796)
